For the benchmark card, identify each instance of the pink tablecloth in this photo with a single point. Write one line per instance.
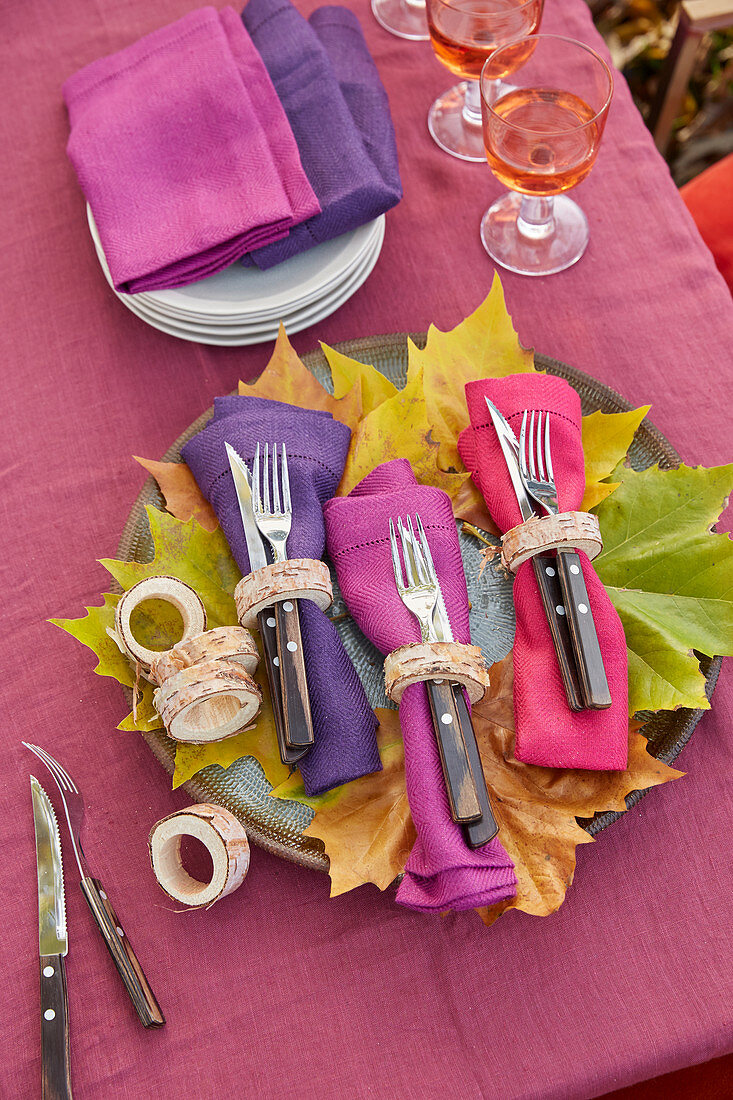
(355, 998)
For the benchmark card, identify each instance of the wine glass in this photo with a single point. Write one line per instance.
(405, 18)
(463, 34)
(544, 101)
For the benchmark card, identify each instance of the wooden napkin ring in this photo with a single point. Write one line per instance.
(172, 591)
(454, 661)
(295, 579)
(579, 530)
(232, 643)
(224, 836)
(207, 702)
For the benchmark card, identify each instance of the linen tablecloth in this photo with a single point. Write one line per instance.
(633, 977)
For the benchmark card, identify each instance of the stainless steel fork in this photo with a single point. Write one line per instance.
(106, 919)
(535, 462)
(273, 513)
(419, 593)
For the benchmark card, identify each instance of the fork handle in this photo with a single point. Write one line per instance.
(121, 951)
(485, 829)
(457, 772)
(589, 660)
(293, 683)
(545, 570)
(268, 632)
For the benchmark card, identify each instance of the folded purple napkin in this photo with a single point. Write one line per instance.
(184, 153)
(336, 104)
(343, 722)
(442, 872)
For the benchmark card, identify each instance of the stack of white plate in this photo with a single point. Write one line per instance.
(243, 305)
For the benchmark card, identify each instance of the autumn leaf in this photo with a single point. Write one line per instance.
(670, 579)
(347, 374)
(286, 379)
(183, 498)
(536, 808)
(485, 345)
(365, 825)
(606, 440)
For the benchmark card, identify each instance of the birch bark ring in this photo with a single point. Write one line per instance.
(232, 643)
(172, 591)
(208, 702)
(420, 661)
(294, 579)
(579, 530)
(226, 840)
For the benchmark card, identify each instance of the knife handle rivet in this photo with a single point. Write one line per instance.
(271, 622)
(560, 609)
(120, 933)
(575, 569)
(48, 971)
(49, 1014)
(276, 662)
(287, 606)
(550, 571)
(102, 895)
(446, 719)
(583, 608)
(292, 646)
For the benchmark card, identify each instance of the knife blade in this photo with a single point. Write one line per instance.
(266, 622)
(53, 946)
(544, 567)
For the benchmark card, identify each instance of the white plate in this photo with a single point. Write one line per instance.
(288, 317)
(261, 334)
(247, 292)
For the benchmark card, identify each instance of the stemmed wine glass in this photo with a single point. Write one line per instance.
(544, 101)
(464, 33)
(405, 18)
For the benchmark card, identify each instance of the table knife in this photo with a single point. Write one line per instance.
(266, 621)
(544, 567)
(53, 946)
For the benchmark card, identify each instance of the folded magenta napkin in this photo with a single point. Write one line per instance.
(184, 153)
(344, 724)
(442, 872)
(336, 104)
(547, 731)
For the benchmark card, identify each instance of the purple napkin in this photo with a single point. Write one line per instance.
(343, 722)
(184, 153)
(338, 109)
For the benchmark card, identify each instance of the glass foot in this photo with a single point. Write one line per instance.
(452, 130)
(534, 250)
(405, 18)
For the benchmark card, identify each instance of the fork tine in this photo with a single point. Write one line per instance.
(276, 505)
(419, 558)
(63, 780)
(410, 568)
(256, 500)
(548, 451)
(426, 552)
(286, 482)
(538, 449)
(396, 566)
(523, 446)
(266, 479)
(531, 447)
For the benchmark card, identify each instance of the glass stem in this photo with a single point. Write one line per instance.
(472, 104)
(415, 4)
(536, 216)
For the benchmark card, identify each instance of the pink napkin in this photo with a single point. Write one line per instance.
(184, 152)
(547, 731)
(442, 872)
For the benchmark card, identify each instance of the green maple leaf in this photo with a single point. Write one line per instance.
(670, 578)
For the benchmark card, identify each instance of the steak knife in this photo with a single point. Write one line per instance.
(265, 620)
(544, 567)
(52, 946)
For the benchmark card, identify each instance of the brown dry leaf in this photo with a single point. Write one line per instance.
(536, 807)
(286, 379)
(365, 825)
(470, 506)
(183, 498)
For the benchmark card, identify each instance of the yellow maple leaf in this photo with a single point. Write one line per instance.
(606, 439)
(373, 387)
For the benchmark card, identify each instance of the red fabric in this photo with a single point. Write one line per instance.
(547, 731)
(709, 198)
(279, 990)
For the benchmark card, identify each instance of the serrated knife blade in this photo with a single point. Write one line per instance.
(53, 945)
(243, 487)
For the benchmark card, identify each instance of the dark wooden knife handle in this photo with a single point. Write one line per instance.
(588, 657)
(485, 829)
(459, 779)
(55, 1072)
(545, 570)
(293, 684)
(121, 951)
(268, 632)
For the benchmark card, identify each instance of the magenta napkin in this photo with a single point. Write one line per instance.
(442, 872)
(184, 153)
